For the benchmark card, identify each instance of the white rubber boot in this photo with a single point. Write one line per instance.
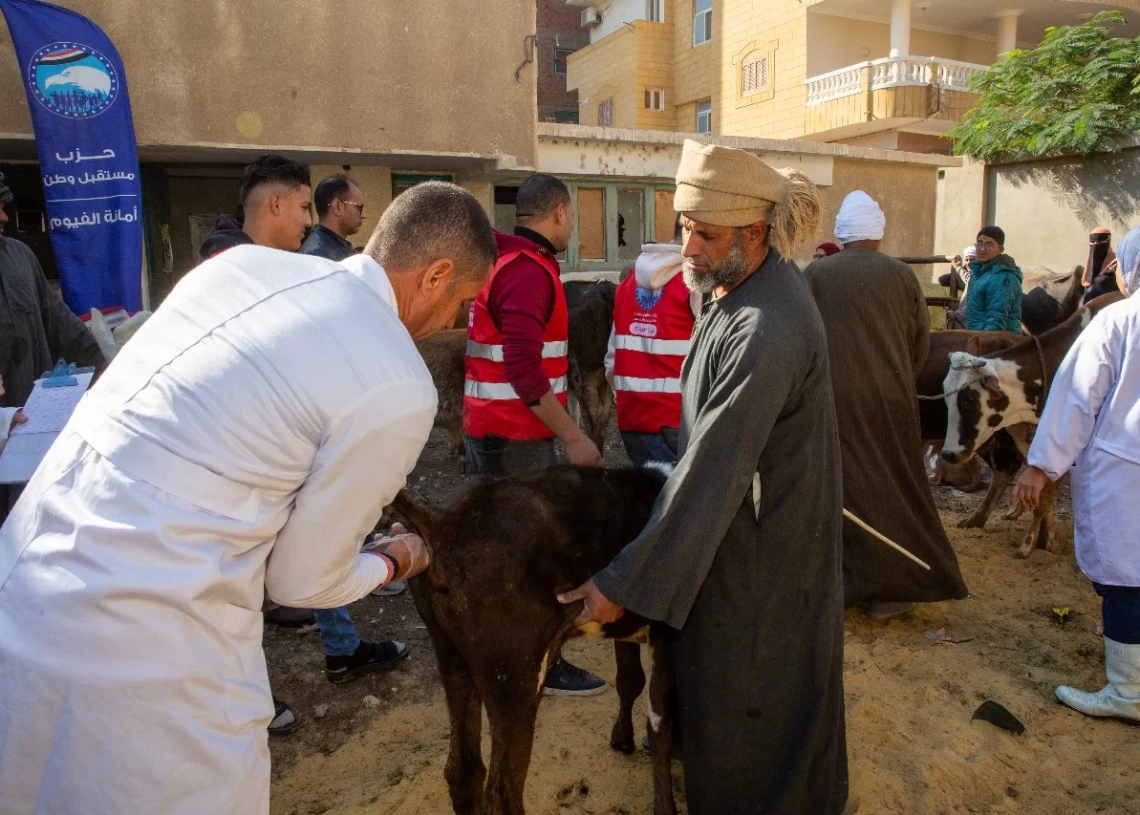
(1121, 696)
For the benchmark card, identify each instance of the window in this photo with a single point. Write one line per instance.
(702, 21)
(655, 11)
(566, 117)
(560, 57)
(606, 113)
(754, 76)
(704, 116)
(654, 99)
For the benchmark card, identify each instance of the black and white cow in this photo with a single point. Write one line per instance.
(1007, 390)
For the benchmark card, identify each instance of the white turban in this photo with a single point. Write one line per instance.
(859, 219)
(970, 251)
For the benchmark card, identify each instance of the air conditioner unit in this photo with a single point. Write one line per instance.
(591, 17)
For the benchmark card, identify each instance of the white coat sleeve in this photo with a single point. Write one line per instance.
(6, 417)
(611, 349)
(362, 462)
(1076, 394)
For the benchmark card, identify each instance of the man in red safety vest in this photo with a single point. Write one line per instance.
(654, 314)
(514, 394)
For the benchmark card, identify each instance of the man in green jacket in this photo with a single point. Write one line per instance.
(995, 286)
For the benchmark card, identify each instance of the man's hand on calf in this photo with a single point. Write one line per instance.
(596, 608)
(408, 551)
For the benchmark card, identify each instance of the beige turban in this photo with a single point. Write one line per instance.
(726, 187)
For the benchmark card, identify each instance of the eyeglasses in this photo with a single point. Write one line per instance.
(986, 245)
(360, 207)
(819, 255)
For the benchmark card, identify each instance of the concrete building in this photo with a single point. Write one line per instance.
(559, 34)
(392, 95)
(891, 74)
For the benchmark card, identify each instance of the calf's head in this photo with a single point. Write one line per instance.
(983, 395)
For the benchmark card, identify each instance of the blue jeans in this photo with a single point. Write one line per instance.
(643, 448)
(337, 631)
(1121, 613)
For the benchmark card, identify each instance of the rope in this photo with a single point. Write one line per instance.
(1044, 370)
(1044, 378)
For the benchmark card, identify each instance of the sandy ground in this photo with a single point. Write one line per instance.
(910, 697)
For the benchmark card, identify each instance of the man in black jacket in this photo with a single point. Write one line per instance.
(36, 328)
(340, 208)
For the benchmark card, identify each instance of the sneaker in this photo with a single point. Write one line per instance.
(390, 590)
(284, 718)
(369, 657)
(564, 679)
(286, 617)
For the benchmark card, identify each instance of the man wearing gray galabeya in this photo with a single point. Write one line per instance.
(742, 552)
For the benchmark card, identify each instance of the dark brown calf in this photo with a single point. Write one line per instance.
(499, 557)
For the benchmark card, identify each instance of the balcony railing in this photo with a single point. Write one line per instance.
(891, 72)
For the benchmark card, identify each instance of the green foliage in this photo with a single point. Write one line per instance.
(1076, 93)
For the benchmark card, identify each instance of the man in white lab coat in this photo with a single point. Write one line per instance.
(247, 439)
(1090, 428)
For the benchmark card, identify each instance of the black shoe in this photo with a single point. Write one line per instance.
(286, 617)
(369, 657)
(564, 679)
(284, 718)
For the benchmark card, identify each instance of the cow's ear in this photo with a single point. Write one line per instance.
(974, 346)
(990, 383)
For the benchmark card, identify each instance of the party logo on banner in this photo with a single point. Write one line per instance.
(73, 80)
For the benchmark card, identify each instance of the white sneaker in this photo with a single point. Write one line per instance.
(1120, 698)
(390, 590)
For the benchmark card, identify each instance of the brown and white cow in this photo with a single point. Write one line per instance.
(1007, 390)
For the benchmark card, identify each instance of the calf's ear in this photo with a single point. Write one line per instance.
(974, 346)
(990, 383)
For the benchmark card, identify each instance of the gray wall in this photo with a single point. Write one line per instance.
(1045, 207)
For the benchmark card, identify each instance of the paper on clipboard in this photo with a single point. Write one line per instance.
(47, 411)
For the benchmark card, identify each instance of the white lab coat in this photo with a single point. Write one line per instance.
(1091, 424)
(248, 437)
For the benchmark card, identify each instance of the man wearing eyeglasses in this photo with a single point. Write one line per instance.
(995, 286)
(340, 210)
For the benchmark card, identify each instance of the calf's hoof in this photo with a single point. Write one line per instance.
(623, 742)
(1026, 547)
(973, 522)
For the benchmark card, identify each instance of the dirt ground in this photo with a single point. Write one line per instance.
(910, 696)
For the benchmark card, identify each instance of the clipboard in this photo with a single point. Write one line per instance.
(50, 405)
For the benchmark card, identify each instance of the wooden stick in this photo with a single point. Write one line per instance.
(868, 528)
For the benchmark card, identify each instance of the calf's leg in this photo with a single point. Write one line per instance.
(998, 482)
(1043, 527)
(630, 684)
(512, 707)
(662, 722)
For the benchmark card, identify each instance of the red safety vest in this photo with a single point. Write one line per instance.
(490, 404)
(651, 345)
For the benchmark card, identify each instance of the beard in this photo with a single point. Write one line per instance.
(732, 270)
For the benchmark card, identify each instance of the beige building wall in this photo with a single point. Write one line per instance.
(694, 67)
(836, 42)
(778, 30)
(907, 194)
(606, 69)
(621, 67)
(291, 74)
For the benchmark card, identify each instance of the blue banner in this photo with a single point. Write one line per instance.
(81, 114)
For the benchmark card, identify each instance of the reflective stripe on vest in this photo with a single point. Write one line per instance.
(479, 350)
(672, 348)
(637, 384)
(503, 390)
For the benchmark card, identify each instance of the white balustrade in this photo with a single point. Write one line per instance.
(891, 72)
